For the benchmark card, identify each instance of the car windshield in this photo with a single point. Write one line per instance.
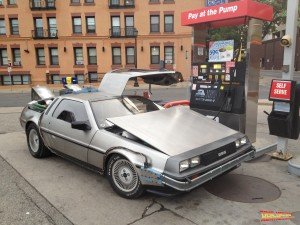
(124, 106)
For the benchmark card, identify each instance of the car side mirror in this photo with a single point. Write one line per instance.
(81, 125)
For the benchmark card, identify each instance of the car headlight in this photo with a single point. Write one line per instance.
(244, 140)
(237, 143)
(184, 165)
(189, 163)
(241, 141)
(194, 161)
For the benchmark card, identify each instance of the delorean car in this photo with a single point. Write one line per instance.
(136, 143)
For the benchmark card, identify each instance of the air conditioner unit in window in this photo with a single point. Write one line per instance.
(169, 61)
(79, 62)
(17, 63)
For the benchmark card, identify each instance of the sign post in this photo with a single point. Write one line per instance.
(288, 62)
(9, 69)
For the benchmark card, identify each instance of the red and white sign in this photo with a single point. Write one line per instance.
(280, 90)
(230, 14)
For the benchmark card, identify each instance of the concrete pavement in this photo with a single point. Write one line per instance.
(83, 197)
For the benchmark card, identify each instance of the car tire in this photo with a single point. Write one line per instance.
(123, 177)
(35, 143)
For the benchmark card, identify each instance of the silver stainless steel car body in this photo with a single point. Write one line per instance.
(154, 142)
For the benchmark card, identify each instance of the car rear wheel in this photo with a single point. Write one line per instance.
(123, 177)
(35, 143)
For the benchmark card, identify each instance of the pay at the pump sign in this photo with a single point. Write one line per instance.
(213, 12)
(280, 90)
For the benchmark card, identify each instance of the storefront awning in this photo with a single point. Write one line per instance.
(229, 14)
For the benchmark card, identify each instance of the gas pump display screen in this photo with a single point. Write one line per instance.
(217, 66)
(282, 107)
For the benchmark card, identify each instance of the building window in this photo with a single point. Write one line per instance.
(169, 23)
(114, 2)
(1, 3)
(169, 55)
(92, 56)
(89, 1)
(155, 55)
(129, 26)
(80, 78)
(77, 28)
(115, 26)
(154, 1)
(16, 56)
(90, 24)
(154, 23)
(130, 59)
(12, 2)
(40, 56)
(16, 79)
(78, 56)
(2, 27)
(55, 79)
(93, 77)
(116, 55)
(53, 52)
(14, 26)
(3, 57)
(38, 27)
(52, 27)
(75, 1)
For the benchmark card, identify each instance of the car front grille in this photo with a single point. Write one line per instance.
(217, 154)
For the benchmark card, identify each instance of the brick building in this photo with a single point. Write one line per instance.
(48, 39)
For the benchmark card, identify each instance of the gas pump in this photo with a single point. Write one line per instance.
(219, 93)
(231, 96)
(283, 120)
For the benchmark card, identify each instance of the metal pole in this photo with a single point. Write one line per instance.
(289, 58)
(135, 51)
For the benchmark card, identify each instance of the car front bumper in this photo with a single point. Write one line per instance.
(190, 184)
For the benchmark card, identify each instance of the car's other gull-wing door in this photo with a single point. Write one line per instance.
(115, 82)
(41, 93)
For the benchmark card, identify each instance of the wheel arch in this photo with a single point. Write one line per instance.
(137, 159)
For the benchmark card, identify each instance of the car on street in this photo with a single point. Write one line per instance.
(136, 143)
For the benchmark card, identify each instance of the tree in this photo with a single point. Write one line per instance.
(239, 33)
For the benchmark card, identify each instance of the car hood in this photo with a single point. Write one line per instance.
(174, 130)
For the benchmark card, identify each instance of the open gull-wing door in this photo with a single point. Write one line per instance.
(115, 82)
(41, 93)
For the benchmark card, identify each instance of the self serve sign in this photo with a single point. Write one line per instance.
(280, 90)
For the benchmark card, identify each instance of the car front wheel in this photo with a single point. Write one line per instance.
(35, 143)
(123, 177)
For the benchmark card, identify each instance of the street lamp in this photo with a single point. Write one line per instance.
(135, 33)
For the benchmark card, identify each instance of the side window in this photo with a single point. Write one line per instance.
(70, 111)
